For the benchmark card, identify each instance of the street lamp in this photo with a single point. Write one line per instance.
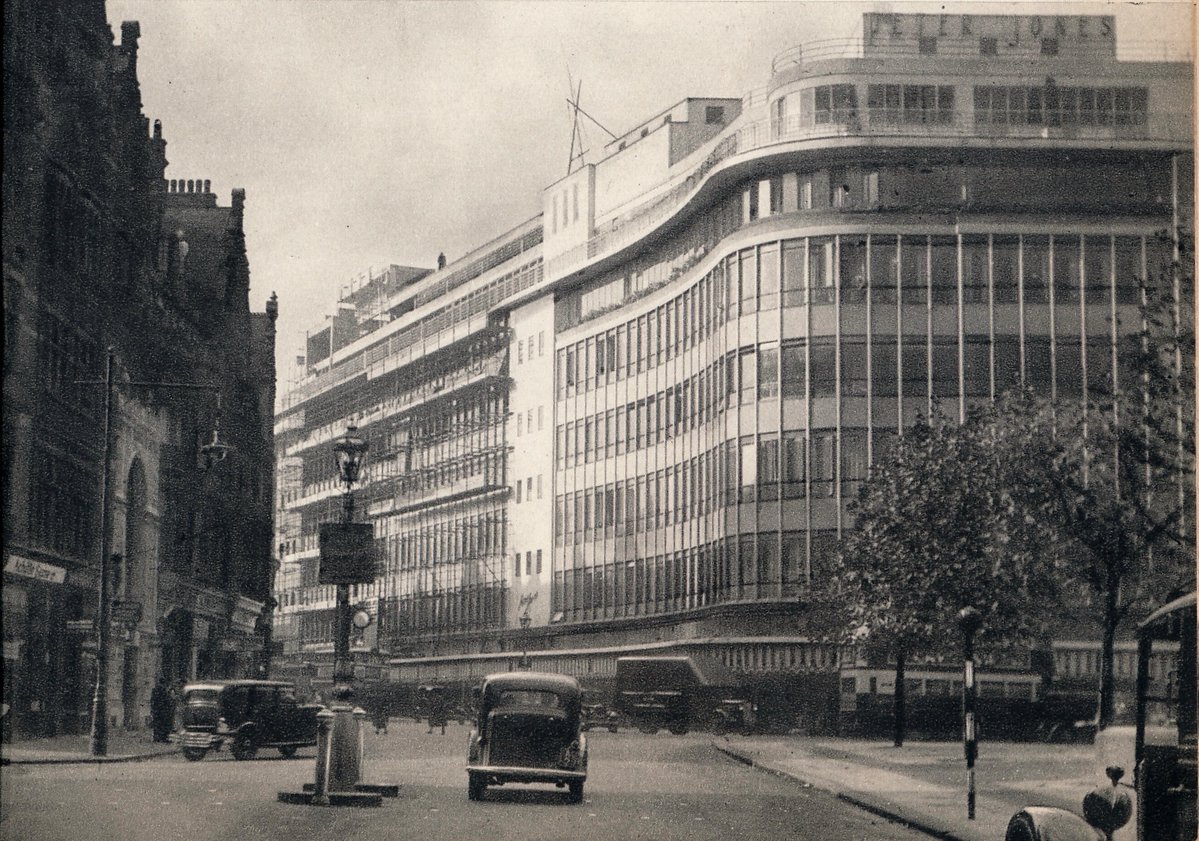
(350, 452)
(525, 621)
(969, 620)
(213, 452)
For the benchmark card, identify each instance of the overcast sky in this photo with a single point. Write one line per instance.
(370, 132)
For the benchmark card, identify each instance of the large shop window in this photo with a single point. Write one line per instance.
(1055, 106)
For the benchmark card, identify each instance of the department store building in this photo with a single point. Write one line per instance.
(638, 418)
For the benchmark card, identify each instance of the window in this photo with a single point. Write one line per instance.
(1048, 46)
(944, 270)
(794, 259)
(928, 45)
(749, 375)
(768, 371)
(853, 460)
(749, 281)
(794, 375)
(915, 370)
(1128, 270)
(911, 104)
(853, 270)
(1069, 368)
(1006, 256)
(768, 277)
(914, 269)
(835, 104)
(883, 267)
(853, 367)
(794, 466)
(1038, 364)
(768, 465)
(714, 115)
(1066, 269)
(820, 270)
(883, 370)
(974, 270)
(518, 489)
(945, 368)
(520, 352)
(520, 424)
(1007, 363)
(823, 464)
(1097, 268)
(977, 374)
(988, 46)
(539, 485)
(824, 368)
(1036, 269)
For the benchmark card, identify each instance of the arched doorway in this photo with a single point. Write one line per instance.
(127, 585)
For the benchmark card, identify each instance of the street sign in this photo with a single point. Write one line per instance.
(80, 626)
(126, 613)
(348, 554)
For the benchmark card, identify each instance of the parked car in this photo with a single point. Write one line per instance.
(249, 714)
(598, 715)
(1163, 750)
(528, 730)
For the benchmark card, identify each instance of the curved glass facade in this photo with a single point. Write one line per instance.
(713, 425)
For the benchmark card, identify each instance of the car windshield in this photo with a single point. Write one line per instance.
(529, 698)
(203, 697)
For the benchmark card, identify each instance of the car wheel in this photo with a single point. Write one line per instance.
(243, 747)
(194, 754)
(287, 751)
(576, 791)
(475, 786)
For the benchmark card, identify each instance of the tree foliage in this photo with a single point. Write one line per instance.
(1115, 481)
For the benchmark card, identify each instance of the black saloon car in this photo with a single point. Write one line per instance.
(249, 714)
(528, 731)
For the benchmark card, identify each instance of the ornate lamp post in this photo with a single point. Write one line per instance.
(969, 620)
(350, 452)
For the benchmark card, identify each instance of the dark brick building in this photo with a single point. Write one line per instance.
(101, 250)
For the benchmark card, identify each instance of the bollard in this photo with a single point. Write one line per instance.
(360, 719)
(324, 754)
(343, 764)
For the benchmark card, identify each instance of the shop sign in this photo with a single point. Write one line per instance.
(36, 570)
(80, 626)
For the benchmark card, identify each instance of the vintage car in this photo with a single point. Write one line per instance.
(249, 714)
(528, 730)
(1165, 778)
(596, 716)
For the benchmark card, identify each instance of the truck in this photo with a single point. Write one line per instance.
(681, 693)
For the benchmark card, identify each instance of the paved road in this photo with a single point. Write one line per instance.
(640, 787)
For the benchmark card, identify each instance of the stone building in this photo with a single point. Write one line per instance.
(102, 251)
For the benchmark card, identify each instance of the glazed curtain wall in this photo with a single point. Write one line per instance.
(710, 443)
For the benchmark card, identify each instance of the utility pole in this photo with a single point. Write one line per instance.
(99, 742)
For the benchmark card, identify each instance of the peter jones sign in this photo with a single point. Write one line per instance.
(29, 568)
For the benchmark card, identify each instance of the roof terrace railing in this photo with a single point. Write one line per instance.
(849, 48)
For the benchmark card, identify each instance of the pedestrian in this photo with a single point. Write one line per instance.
(438, 713)
(379, 719)
(162, 711)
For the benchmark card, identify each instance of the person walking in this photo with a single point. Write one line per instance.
(162, 711)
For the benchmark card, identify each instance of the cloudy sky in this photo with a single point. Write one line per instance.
(369, 132)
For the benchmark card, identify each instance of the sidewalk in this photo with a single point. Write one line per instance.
(122, 747)
(923, 784)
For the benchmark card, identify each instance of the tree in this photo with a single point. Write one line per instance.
(937, 529)
(1115, 483)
